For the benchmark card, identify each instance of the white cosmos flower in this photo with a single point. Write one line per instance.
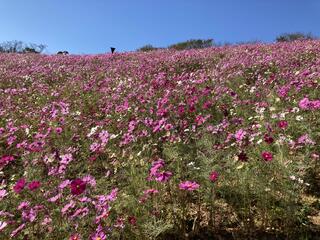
(295, 109)
(292, 177)
(92, 131)
(252, 89)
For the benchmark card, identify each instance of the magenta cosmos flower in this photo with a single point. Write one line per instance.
(34, 185)
(213, 176)
(19, 186)
(132, 220)
(282, 124)
(77, 186)
(242, 156)
(189, 185)
(267, 156)
(268, 139)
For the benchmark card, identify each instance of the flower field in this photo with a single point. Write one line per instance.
(162, 145)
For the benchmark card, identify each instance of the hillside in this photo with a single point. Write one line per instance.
(161, 145)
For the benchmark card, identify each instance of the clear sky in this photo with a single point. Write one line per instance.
(92, 26)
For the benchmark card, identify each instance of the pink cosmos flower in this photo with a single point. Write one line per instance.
(283, 91)
(213, 176)
(200, 120)
(119, 223)
(4, 160)
(47, 220)
(36, 146)
(305, 103)
(66, 158)
(168, 126)
(99, 234)
(68, 206)
(11, 140)
(163, 176)
(156, 165)
(23, 205)
(150, 191)
(80, 212)
(315, 156)
(58, 130)
(113, 195)
(95, 147)
(89, 180)
(75, 237)
(55, 198)
(64, 184)
(180, 109)
(267, 156)
(34, 185)
(104, 137)
(19, 186)
(159, 162)
(189, 185)
(316, 104)
(29, 215)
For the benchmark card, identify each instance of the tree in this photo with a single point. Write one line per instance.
(21, 47)
(290, 37)
(192, 44)
(11, 46)
(147, 48)
(63, 53)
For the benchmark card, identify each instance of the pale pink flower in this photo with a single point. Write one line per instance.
(240, 134)
(55, 198)
(47, 220)
(66, 159)
(3, 193)
(3, 225)
(23, 205)
(29, 215)
(64, 184)
(89, 180)
(113, 195)
(17, 230)
(68, 206)
(305, 139)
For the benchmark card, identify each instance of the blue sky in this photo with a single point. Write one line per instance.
(92, 26)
